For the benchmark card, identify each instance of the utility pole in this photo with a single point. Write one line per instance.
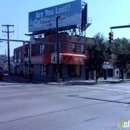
(57, 41)
(8, 48)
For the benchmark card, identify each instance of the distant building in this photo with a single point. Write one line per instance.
(3, 62)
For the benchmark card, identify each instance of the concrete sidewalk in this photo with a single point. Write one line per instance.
(72, 82)
(86, 82)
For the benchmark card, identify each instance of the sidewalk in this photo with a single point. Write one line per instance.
(86, 82)
(73, 82)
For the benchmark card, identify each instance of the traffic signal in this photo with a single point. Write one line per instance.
(25, 47)
(62, 58)
(55, 58)
(110, 37)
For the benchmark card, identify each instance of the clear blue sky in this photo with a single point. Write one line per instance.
(104, 14)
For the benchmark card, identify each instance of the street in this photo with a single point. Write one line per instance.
(27, 106)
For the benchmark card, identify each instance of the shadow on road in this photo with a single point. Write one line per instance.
(98, 99)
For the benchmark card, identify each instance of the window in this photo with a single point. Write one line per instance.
(83, 49)
(44, 70)
(77, 70)
(41, 48)
(74, 70)
(74, 47)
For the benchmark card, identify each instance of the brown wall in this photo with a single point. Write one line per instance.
(66, 43)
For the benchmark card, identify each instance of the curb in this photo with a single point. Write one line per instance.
(69, 82)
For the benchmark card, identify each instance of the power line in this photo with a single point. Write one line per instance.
(2, 47)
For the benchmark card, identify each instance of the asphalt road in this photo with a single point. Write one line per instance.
(27, 106)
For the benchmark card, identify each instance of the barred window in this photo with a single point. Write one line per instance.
(44, 70)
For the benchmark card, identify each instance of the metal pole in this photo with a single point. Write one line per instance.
(29, 58)
(57, 41)
(30, 54)
(24, 62)
(8, 51)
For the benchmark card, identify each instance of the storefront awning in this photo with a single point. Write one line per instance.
(67, 58)
(64, 58)
(42, 59)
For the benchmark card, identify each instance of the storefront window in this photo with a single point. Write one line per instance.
(44, 70)
(74, 70)
(77, 70)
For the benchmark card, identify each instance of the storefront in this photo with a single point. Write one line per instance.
(72, 66)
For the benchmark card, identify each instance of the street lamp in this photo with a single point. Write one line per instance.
(57, 41)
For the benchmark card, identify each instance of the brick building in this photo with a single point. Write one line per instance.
(43, 57)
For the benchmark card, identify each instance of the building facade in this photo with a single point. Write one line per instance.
(44, 57)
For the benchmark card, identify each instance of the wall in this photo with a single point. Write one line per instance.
(66, 43)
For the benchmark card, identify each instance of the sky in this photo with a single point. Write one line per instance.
(104, 14)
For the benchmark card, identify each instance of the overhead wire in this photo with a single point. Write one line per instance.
(3, 46)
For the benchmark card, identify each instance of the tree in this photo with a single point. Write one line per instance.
(98, 51)
(122, 47)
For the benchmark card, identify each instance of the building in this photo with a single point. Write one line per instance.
(44, 57)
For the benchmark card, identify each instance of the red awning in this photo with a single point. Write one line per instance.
(41, 59)
(67, 58)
